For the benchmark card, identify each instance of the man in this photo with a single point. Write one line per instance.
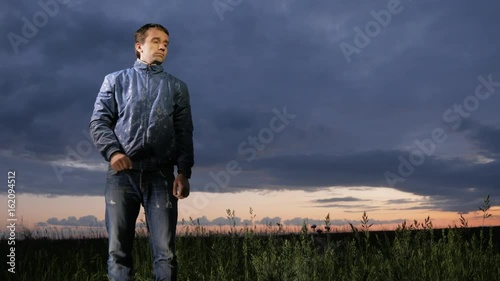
(142, 125)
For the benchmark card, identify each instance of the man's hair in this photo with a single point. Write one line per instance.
(141, 34)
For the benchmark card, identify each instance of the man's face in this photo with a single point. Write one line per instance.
(155, 47)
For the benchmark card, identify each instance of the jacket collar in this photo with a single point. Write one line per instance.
(154, 68)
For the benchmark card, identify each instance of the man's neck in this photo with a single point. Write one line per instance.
(153, 63)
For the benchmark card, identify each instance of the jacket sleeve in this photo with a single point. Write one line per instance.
(183, 126)
(103, 121)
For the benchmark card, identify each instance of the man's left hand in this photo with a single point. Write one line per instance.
(181, 187)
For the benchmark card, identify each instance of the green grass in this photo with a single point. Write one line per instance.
(413, 251)
(406, 254)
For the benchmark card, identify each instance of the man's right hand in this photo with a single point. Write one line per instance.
(120, 161)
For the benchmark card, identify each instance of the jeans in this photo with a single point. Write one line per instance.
(125, 192)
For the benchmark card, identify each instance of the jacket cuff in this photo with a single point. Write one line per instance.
(185, 171)
(110, 152)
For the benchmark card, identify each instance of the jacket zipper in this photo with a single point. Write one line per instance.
(145, 111)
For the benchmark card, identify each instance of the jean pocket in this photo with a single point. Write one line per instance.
(112, 172)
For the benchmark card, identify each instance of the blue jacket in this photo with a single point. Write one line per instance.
(145, 113)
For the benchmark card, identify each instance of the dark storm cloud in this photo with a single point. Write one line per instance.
(399, 201)
(353, 120)
(39, 177)
(457, 180)
(343, 199)
(485, 137)
(232, 119)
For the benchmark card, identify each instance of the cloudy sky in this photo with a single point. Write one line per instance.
(301, 108)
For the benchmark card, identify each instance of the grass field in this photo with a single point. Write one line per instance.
(414, 251)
